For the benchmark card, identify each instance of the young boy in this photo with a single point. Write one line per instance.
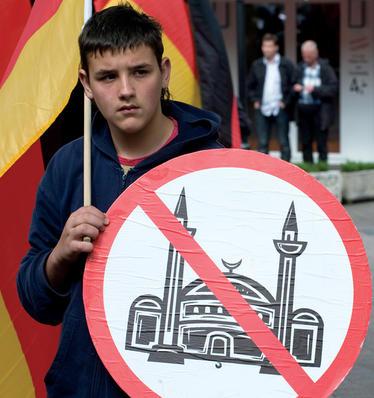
(137, 128)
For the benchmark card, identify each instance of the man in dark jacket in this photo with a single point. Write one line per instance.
(270, 84)
(124, 72)
(316, 87)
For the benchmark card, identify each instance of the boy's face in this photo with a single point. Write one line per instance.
(126, 87)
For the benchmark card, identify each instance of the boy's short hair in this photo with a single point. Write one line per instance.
(270, 37)
(119, 28)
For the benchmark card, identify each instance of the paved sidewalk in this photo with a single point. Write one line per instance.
(360, 381)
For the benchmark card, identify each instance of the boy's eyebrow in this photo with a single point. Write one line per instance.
(101, 72)
(140, 65)
(143, 65)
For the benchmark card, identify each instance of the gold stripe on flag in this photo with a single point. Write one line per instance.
(40, 83)
(183, 85)
(15, 379)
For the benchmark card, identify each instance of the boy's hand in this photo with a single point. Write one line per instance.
(85, 222)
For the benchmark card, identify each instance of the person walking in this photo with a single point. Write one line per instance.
(270, 83)
(316, 88)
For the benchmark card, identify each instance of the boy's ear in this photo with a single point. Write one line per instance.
(165, 71)
(83, 77)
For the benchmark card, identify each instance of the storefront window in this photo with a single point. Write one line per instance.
(314, 20)
(262, 19)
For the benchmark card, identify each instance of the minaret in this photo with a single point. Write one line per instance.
(169, 328)
(289, 249)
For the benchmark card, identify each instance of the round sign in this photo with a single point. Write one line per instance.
(227, 273)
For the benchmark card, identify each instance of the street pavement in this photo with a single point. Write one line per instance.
(360, 381)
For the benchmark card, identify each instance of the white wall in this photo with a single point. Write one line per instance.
(357, 107)
(357, 61)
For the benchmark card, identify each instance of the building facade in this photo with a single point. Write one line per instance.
(344, 31)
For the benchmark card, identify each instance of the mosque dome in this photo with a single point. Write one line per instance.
(251, 290)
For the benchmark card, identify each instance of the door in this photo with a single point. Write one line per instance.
(295, 21)
(320, 21)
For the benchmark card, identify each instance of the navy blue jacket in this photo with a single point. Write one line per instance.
(77, 370)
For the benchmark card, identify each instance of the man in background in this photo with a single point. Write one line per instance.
(316, 88)
(270, 84)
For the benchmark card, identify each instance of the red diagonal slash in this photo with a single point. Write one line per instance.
(227, 294)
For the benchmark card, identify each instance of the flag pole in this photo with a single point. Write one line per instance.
(87, 130)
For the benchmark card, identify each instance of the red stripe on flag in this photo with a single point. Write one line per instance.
(17, 191)
(13, 18)
(41, 12)
(100, 4)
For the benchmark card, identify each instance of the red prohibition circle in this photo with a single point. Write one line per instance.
(141, 191)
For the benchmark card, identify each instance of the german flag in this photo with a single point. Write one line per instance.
(41, 74)
(34, 88)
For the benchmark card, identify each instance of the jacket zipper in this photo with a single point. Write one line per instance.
(123, 179)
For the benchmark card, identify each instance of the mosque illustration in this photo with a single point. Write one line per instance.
(190, 322)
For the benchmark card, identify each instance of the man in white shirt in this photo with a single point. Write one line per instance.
(270, 84)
